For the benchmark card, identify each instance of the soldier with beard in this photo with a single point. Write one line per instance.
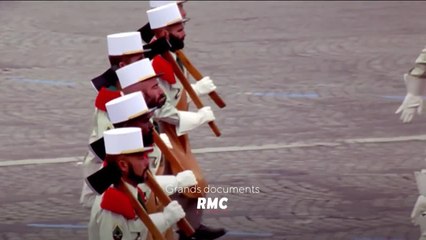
(146, 32)
(166, 21)
(112, 215)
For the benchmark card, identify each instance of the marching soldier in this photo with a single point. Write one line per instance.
(112, 215)
(166, 21)
(415, 81)
(173, 117)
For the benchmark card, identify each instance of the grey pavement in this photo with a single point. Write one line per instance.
(309, 77)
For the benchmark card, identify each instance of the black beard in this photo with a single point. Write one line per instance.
(148, 139)
(176, 43)
(135, 178)
(151, 103)
(161, 45)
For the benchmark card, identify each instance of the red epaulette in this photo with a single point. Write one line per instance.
(160, 65)
(117, 202)
(105, 95)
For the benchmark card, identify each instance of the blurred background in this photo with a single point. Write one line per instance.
(311, 90)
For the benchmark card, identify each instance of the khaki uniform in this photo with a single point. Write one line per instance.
(107, 225)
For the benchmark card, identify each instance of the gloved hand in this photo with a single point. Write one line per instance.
(186, 179)
(409, 107)
(191, 120)
(413, 101)
(204, 86)
(166, 140)
(173, 212)
(207, 114)
(418, 210)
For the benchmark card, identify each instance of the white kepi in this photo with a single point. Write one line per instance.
(125, 43)
(156, 4)
(136, 72)
(124, 141)
(126, 107)
(165, 15)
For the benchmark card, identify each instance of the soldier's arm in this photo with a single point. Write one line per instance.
(113, 226)
(416, 77)
(415, 85)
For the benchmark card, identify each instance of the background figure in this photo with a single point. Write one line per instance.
(415, 84)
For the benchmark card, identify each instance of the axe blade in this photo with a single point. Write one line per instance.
(103, 178)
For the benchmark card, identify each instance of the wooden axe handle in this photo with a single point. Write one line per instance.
(198, 76)
(170, 156)
(183, 224)
(140, 211)
(187, 86)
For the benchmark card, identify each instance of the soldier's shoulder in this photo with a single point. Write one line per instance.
(117, 202)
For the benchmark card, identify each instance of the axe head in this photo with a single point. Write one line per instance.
(157, 47)
(104, 178)
(163, 45)
(98, 148)
(106, 79)
(146, 33)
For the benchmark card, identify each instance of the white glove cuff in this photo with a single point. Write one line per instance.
(194, 86)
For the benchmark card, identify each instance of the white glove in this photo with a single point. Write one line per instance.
(204, 86)
(418, 210)
(173, 212)
(166, 140)
(413, 102)
(186, 179)
(206, 114)
(192, 120)
(168, 183)
(409, 107)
